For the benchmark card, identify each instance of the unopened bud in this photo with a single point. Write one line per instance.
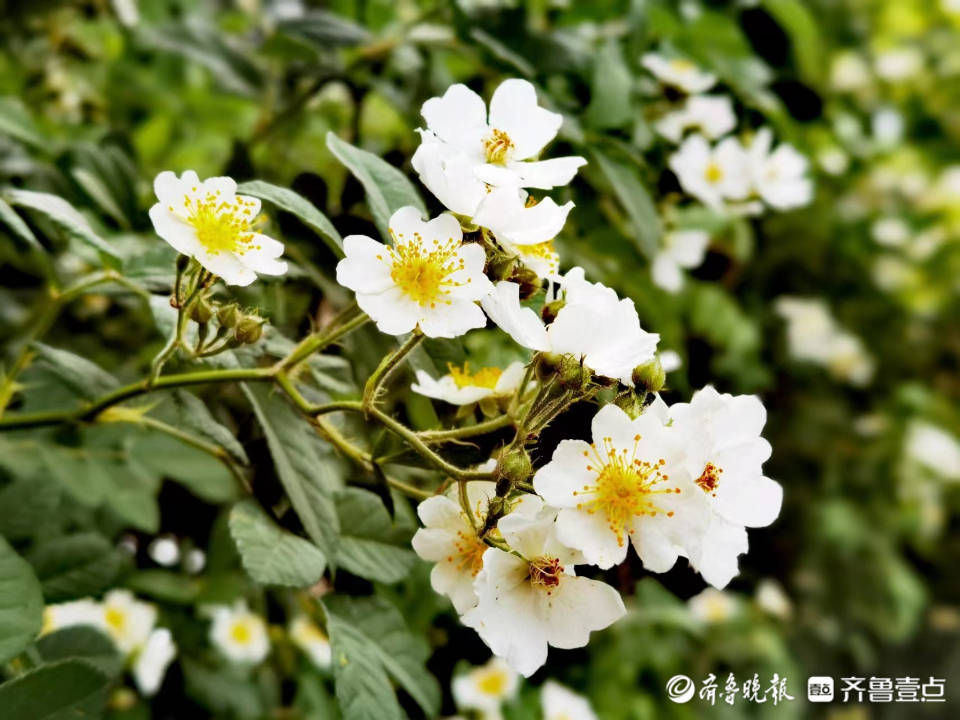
(500, 267)
(228, 315)
(649, 376)
(630, 403)
(202, 311)
(249, 329)
(572, 374)
(550, 310)
(527, 279)
(546, 365)
(182, 262)
(515, 465)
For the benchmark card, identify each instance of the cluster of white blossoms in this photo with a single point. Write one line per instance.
(243, 638)
(680, 481)
(130, 624)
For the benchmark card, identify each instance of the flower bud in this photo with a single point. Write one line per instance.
(228, 315)
(546, 365)
(182, 262)
(500, 266)
(550, 310)
(649, 376)
(527, 279)
(572, 374)
(202, 311)
(631, 403)
(514, 465)
(249, 329)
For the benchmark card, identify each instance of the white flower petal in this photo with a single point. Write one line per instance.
(514, 110)
(459, 117)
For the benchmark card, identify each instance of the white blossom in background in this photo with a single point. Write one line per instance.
(890, 232)
(681, 250)
(628, 485)
(463, 387)
(771, 598)
(779, 176)
(886, 124)
(814, 336)
(208, 221)
(449, 540)
(536, 600)
(679, 73)
(670, 360)
(239, 634)
(127, 621)
(164, 551)
(713, 606)
(833, 160)
(934, 448)
(152, 661)
(594, 325)
(898, 64)
(498, 147)
(713, 175)
(70, 614)
(711, 115)
(723, 452)
(849, 72)
(561, 703)
(484, 689)
(427, 279)
(194, 561)
(305, 634)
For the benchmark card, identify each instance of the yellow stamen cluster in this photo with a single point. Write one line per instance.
(540, 251)
(240, 633)
(423, 270)
(469, 553)
(713, 173)
(625, 486)
(682, 66)
(709, 479)
(545, 573)
(492, 682)
(498, 147)
(115, 619)
(484, 377)
(221, 224)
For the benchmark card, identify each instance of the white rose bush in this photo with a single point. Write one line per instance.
(479, 361)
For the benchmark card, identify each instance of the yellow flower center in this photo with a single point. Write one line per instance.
(492, 682)
(545, 573)
(709, 479)
(311, 634)
(625, 487)
(713, 173)
(484, 377)
(469, 550)
(423, 271)
(682, 66)
(240, 633)
(116, 619)
(540, 251)
(498, 147)
(221, 225)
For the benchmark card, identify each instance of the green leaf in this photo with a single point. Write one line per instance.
(78, 374)
(17, 226)
(21, 604)
(25, 504)
(63, 215)
(371, 645)
(306, 475)
(503, 53)
(270, 554)
(164, 585)
(370, 545)
(298, 205)
(16, 122)
(324, 29)
(625, 181)
(194, 415)
(81, 642)
(58, 691)
(222, 692)
(387, 188)
(73, 566)
(612, 84)
(805, 36)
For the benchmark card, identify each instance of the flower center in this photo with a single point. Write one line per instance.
(492, 683)
(484, 377)
(422, 271)
(498, 147)
(541, 251)
(682, 66)
(116, 619)
(222, 225)
(545, 573)
(240, 633)
(709, 479)
(625, 486)
(713, 173)
(469, 553)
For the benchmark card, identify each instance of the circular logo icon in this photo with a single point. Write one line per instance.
(680, 688)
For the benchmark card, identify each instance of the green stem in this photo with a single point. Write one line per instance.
(322, 339)
(480, 428)
(386, 367)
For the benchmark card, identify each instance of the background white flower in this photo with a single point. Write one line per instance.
(239, 634)
(682, 249)
(311, 639)
(128, 621)
(712, 606)
(678, 73)
(485, 688)
(463, 387)
(428, 278)
(711, 115)
(561, 703)
(152, 661)
(712, 174)
(69, 614)
(208, 221)
(779, 176)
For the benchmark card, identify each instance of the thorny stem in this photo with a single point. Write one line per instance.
(480, 428)
(376, 381)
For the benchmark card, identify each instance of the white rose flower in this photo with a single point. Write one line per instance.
(629, 484)
(462, 387)
(239, 634)
(849, 72)
(711, 115)
(682, 249)
(69, 614)
(152, 661)
(208, 221)
(528, 603)
(712, 175)
(128, 621)
(561, 703)
(898, 64)
(427, 279)
(311, 639)
(713, 606)
(934, 448)
(485, 688)
(679, 73)
(498, 148)
(771, 598)
(594, 326)
(778, 176)
(449, 540)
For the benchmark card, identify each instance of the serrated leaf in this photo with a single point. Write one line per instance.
(298, 205)
(194, 415)
(387, 188)
(74, 566)
(371, 645)
(69, 688)
(370, 545)
(25, 504)
(63, 215)
(78, 374)
(306, 475)
(81, 642)
(625, 182)
(21, 604)
(270, 554)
